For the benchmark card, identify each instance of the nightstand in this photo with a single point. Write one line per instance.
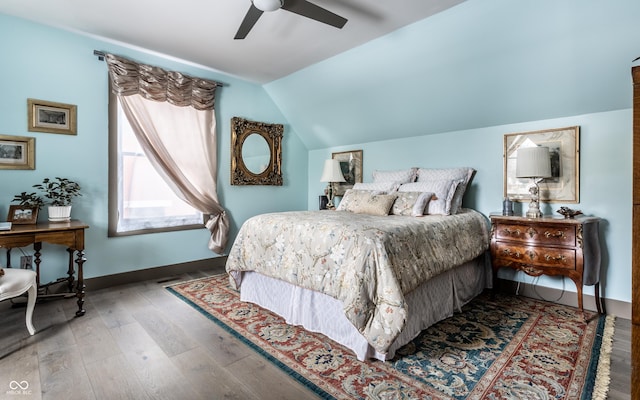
(549, 246)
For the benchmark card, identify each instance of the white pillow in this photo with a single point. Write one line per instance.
(444, 190)
(464, 173)
(411, 203)
(400, 176)
(385, 187)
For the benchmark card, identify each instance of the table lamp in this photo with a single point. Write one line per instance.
(534, 163)
(331, 173)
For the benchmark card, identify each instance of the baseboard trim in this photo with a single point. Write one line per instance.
(166, 272)
(613, 307)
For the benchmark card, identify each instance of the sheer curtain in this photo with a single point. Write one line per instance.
(172, 116)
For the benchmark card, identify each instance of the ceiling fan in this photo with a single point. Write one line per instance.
(300, 7)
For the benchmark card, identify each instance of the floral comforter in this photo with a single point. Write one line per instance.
(367, 262)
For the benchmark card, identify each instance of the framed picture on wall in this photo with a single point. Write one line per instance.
(351, 167)
(17, 152)
(563, 185)
(47, 116)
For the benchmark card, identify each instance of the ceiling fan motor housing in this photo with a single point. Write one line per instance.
(267, 5)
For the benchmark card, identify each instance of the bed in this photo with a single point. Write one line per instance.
(368, 280)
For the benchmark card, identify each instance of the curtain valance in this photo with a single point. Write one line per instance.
(154, 83)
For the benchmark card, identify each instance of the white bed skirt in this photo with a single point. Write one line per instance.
(433, 301)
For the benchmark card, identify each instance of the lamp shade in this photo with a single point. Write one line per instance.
(332, 172)
(533, 162)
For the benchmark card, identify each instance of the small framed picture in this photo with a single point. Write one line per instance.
(47, 116)
(351, 166)
(17, 152)
(22, 215)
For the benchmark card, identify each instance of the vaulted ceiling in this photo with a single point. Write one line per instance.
(398, 68)
(202, 31)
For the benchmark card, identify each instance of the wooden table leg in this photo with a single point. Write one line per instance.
(80, 285)
(37, 246)
(70, 272)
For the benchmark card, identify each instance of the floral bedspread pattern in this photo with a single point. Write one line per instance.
(367, 262)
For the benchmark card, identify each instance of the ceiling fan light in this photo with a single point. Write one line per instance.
(267, 5)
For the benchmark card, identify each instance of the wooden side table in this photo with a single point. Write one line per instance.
(549, 246)
(69, 234)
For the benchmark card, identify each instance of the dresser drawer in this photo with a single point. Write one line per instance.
(544, 234)
(535, 255)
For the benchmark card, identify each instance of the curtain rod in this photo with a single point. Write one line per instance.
(101, 55)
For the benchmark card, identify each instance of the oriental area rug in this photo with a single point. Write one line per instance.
(501, 347)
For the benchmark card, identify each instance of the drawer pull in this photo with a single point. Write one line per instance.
(532, 232)
(556, 258)
(557, 235)
(508, 252)
(514, 232)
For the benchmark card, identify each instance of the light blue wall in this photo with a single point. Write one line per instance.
(481, 63)
(50, 64)
(442, 93)
(605, 179)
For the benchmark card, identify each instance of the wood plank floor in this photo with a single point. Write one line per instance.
(138, 341)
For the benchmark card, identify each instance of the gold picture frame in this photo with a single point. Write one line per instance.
(564, 149)
(351, 167)
(17, 152)
(51, 117)
(22, 215)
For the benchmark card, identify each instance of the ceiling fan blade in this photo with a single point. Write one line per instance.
(310, 10)
(248, 22)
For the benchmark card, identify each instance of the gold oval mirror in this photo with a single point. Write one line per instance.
(255, 152)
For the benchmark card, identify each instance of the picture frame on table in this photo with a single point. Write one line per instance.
(17, 152)
(351, 167)
(22, 215)
(564, 150)
(51, 117)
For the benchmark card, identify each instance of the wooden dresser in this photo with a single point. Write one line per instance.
(549, 246)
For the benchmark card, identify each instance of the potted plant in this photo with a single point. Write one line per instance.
(26, 212)
(28, 200)
(60, 193)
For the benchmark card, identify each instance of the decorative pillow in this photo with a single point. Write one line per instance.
(350, 197)
(364, 202)
(411, 203)
(444, 190)
(399, 176)
(385, 187)
(464, 173)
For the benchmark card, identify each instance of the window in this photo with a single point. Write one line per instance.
(140, 200)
